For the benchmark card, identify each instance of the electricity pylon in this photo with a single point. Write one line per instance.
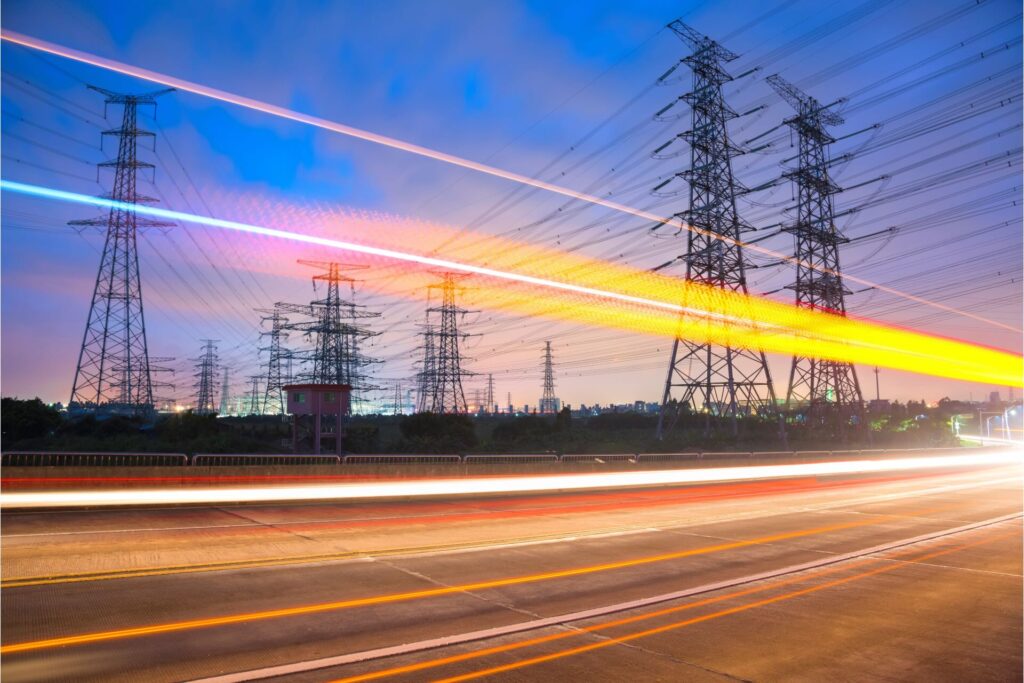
(720, 381)
(206, 369)
(273, 386)
(444, 384)
(254, 396)
(548, 402)
(113, 373)
(225, 392)
(397, 407)
(336, 355)
(827, 390)
(490, 395)
(425, 377)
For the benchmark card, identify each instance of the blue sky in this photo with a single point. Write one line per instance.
(521, 85)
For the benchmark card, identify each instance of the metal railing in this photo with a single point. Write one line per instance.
(662, 457)
(510, 459)
(399, 459)
(814, 454)
(599, 457)
(247, 459)
(92, 459)
(75, 459)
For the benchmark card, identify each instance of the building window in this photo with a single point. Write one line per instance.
(299, 397)
(329, 397)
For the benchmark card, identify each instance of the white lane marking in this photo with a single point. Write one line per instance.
(485, 634)
(971, 570)
(584, 535)
(256, 523)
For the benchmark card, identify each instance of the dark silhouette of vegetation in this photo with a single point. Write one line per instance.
(430, 433)
(27, 419)
(31, 425)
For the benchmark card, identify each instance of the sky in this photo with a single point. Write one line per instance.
(564, 92)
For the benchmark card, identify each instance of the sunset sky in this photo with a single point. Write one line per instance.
(561, 91)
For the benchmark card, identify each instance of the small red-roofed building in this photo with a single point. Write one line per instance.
(318, 415)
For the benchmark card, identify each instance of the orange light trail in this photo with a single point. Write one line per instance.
(394, 143)
(626, 298)
(607, 642)
(561, 635)
(421, 488)
(190, 624)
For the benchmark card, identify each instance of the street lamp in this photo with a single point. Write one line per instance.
(1006, 423)
(988, 420)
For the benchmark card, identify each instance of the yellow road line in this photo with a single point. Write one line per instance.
(801, 577)
(706, 617)
(413, 595)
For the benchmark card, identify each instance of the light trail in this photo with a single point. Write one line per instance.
(672, 497)
(490, 485)
(729, 318)
(191, 624)
(607, 642)
(801, 577)
(48, 193)
(325, 124)
(991, 439)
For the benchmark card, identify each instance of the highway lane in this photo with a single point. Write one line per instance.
(104, 542)
(420, 570)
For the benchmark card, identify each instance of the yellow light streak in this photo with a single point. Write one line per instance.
(620, 297)
(333, 126)
(602, 626)
(190, 624)
(607, 642)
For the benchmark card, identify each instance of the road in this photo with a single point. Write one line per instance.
(910, 576)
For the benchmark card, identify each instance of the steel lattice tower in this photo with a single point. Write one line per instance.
(273, 391)
(336, 356)
(396, 402)
(425, 377)
(445, 381)
(225, 390)
(206, 370)
(718, 380)
(548, 401)
(490, 394)
(827, 390)
(113, 372)
(254, 395)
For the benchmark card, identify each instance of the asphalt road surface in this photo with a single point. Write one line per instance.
(912, 577)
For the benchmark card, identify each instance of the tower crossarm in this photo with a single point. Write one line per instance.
(700, 43)
(120, 98)
(807, 108)
(815, 177)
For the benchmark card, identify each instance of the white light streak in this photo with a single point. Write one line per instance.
(494, 485)
(169, 214)
(394, 143)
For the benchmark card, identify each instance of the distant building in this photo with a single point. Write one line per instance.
(879, 405)
(318, 415)
(549, 406)
(994, 397)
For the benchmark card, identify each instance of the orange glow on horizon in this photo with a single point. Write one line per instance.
(713, 315)
(536, 281)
